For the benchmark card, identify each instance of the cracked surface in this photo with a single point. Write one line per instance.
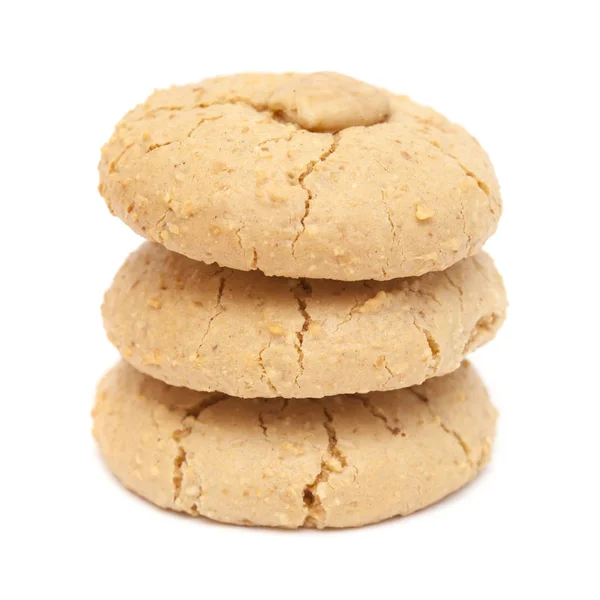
(249, 335)
(342, 461)
(309, 194)
(223, 171)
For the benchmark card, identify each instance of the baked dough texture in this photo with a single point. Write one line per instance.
(341, 461)
(317, 176)
(249, 335)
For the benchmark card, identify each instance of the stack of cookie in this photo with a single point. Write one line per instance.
(293, 333)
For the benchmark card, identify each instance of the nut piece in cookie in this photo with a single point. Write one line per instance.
(330, 102)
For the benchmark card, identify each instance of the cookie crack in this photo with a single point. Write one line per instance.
(455, 286)
(204, 120)
(284, 138)
(379, 414)
(196, 410)
(161, 221)
(239, 237)
(357, 304)
(262, 424)
(301, 292)
(283, 404)
(453, 432)
(434, 348)
(394, 238)
(309, 194)
(231, 102)
(153, 147)
(482, 185)
(218, 310)
(464, 224)
(389, 371)
(276, 116)
(234, 100)
(112, 167)
(264, 375)
(180, 462)
(335, 462)
(460, 299)
(416, 286)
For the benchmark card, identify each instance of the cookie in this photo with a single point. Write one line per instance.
(249, 335)
(317, 176)
(342, 461)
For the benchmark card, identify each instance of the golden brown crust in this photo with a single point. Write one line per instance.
(342, 461)
(223, 171)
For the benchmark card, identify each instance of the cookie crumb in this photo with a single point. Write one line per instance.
(423, 212)
(276, 329)
(153, 303)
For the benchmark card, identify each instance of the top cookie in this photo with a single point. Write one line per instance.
(317, 176)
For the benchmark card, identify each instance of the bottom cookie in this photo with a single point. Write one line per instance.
(340, 461)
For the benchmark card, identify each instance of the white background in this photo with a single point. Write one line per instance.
(521, 77)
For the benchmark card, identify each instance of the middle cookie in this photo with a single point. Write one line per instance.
(248, 335)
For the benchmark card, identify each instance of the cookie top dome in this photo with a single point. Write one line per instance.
(319, 176)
